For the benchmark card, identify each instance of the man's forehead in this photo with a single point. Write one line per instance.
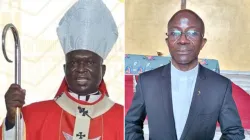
(82, 54)
(185, 18)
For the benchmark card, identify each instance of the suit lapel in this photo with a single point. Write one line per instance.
(166, 92)
(196, 102)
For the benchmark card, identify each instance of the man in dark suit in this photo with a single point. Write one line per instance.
(183, 100)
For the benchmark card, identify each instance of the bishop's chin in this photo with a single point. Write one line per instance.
(83, 90)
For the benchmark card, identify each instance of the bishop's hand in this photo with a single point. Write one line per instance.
(14, 98)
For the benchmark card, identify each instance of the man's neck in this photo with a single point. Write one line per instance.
(185, 67)
(92, 97)
(84, 94)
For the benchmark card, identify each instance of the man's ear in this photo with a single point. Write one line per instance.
(204, 41)
(103, 70)
(64, 68)
(166, 39)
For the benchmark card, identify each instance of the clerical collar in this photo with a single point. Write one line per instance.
(179, 73)
(90, 98)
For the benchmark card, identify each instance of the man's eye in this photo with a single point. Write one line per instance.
(175, 33)
(90, 62)
(193, 33)
(73, 62)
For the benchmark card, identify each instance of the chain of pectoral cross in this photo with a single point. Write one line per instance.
(183, 4)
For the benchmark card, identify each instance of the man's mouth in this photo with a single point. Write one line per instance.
(183, 52)
(82, 80)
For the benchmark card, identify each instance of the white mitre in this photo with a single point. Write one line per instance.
(88, 25)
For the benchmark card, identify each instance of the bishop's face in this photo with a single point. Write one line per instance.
(83, 71)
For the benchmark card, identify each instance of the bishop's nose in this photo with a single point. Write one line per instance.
(82, 67)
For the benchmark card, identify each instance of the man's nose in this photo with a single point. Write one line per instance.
(81, 67)
(183, 39)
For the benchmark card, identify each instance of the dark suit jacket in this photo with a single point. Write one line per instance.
(212, 101)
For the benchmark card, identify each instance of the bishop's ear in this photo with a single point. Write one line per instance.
(103, 70)
(64, 68)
